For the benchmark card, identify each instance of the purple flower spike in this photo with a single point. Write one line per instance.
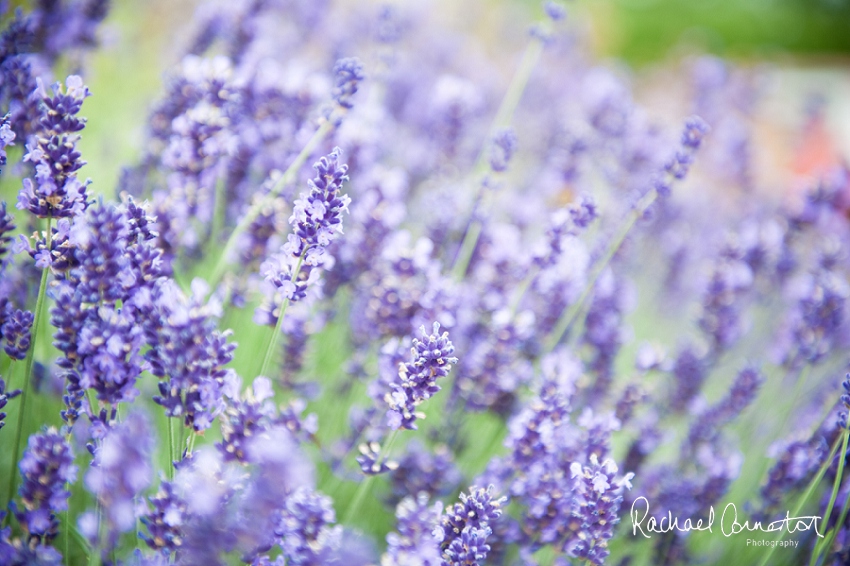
(16, 332)
(56, 192)
(47, 465)
(7, 138)
(599, 494)
(121, 470)
(348, 73)
(306, 528)
(417, 380)
(414, 542)
(469, 549)
(7, 225)
(317, 215)
(5, 395)
(465, 527)
(503, 148)
(164, 521)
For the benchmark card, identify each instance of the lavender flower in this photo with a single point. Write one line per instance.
(165, 520)
(464, 528)
(121, 470)
(413, 542)
(306, 528)
(46, 467)
(417, 379)
(188, 353)
(347, 75)
(244, 419)
(423, 471)
(503, 148)
(7, 225)
(316, 221)
(16, 332)
(677, 167)
(56, 191)
(599, 494)
(5, 396)
(7, 138)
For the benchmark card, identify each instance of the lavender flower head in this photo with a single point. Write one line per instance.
(317, 215)
(503, 148)
(414, 543)
(417, 380)
(16, 332)
(316, 221)
(47, 465)
(121, 470)
(348, 73)
(5, 395)
(598, 495)
(464, 528)
(7, 138)
(56, 191)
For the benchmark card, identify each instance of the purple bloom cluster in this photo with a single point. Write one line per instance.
(47, 468)
(316, 221)
(417, 379)
(56, 192)
(464, 528)
(120, 472)
(596, 307)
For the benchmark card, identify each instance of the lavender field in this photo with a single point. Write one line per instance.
(419, 283)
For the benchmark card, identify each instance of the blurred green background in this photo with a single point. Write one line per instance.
(644, 31)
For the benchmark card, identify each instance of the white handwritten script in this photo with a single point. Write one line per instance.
(646, 524)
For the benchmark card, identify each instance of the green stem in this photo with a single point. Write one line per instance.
(171, 448)
(569, 315)
(805, 498)
(364, 486)
(267, 359)
(503, 117)
(836, 485)
(254, 211)
(28, 363)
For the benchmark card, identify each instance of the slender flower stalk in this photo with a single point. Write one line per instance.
(27, 370)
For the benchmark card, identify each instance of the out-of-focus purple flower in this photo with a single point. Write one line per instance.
(565, 222)
(5, 395)
(371, 461)
(7, 138)
(46, 468)
(423, 471)
(121, 470)
(413, 541)
(348, 73)
(7, 225)
(417, 379)
(502, 149)
(555, 10)
(16, 332)
(677, 167)
(245, 418)
(845, 400)
(306, 530)
(56, 191)
(722, 302)
(795, 464)
(689, 371)
(164, 522)
(188, 353)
